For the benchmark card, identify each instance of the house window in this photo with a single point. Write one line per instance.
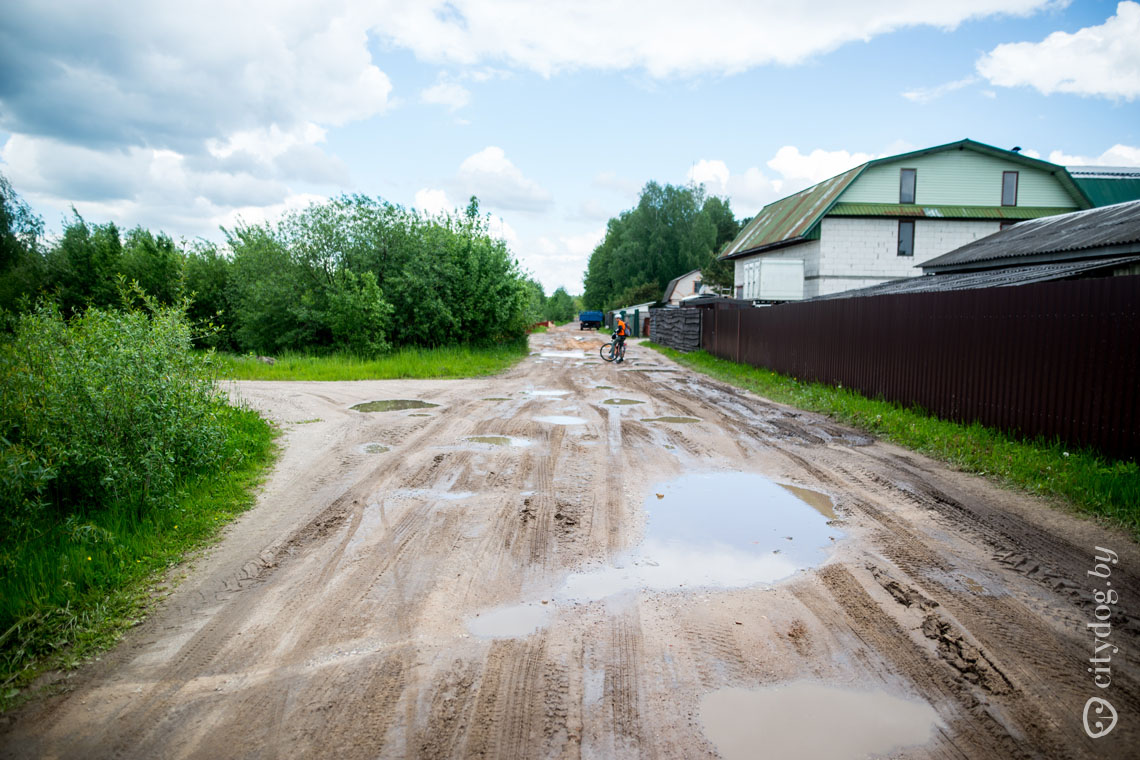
(907, 179)
(1008, 188)
(906, 237)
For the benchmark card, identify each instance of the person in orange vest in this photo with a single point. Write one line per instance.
(621, 332)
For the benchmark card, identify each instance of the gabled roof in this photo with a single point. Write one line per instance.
(673, 284)
(1107, 231)
(1105, 185)
(796, 218)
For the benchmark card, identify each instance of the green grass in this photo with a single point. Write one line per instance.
(452, 362)
(538, 330)
(79, 585)
(1109, 489)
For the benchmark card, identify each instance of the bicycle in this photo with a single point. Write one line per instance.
(613, 350)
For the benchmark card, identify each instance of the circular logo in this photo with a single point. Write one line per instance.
(1100, 707)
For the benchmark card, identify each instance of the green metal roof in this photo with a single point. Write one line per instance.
(793, 218)
(797, 217)
(944, 212)
(1105, 191)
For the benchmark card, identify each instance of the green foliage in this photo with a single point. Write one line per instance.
(117, 454)
(1107, 488)
(407, 362)
(671, 231)
(559, 308)
(357, 314)
(83, 266)
(21, 233)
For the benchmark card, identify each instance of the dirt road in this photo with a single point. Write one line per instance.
(477, 579)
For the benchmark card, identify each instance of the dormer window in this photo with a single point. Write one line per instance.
(1008, 188)
(907, 179)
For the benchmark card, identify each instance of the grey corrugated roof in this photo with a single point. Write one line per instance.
(1075, 235)
(989, 278)
(1104, 171)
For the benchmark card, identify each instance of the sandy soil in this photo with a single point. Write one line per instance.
(332, 620)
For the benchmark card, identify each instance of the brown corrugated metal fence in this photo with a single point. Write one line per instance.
(1057, 359)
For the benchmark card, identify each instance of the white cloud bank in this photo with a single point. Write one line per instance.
(677, 37)
(1101, 61)
(1117, 155)
(497, 182)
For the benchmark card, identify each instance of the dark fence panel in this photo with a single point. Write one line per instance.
(1058, 359)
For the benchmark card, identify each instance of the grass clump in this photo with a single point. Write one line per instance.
(117, 455)
(447, 362)
(1106, 488)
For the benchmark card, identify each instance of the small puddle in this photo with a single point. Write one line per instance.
(392, 405)
(561, 419)
(563, 354)
(604, 387)
(374, 448)
(810, 720)
(498, 440)
(418, 414)
(622, 401)
(820, 502)
(548, 393)
(496, 398)
(679, 420)
(509, 622)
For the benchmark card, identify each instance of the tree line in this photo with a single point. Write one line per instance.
(672, 230)
(353, 274)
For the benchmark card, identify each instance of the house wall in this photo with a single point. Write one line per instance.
(856, 252)
(808, 252)
(958, 177)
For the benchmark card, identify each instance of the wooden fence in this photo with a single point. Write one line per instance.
(1056, 359)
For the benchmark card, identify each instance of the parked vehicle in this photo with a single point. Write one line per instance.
(588, 319)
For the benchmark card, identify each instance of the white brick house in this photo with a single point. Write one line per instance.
(880, 221)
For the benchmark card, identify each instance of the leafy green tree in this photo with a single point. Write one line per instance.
(207, 285)
(22, 270)
(357, 314)
(671, 231)
(84, 265)
(560, 307)
(155, 263)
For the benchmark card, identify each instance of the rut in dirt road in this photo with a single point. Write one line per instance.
(481, 579)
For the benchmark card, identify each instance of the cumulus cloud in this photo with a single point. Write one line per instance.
(1102, 61)
(1117, 155)
(677, 38)
(928, 94)
(491, 176)
(748, 192)
(816, 166)
(449, 94)
(433, 202)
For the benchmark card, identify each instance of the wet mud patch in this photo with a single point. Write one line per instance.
(809, 720)
(498, 440)
(509, 622)
(604, 387)
(622, 401)
(561, 419)
(374, 448)
(393, 405)
(674, 420)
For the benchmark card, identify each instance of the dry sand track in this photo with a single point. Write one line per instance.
(336, 618)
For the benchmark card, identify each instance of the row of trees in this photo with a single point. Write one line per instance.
(671, 231)
(354, 274)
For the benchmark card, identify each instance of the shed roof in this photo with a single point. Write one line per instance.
(1106, 185)
(1099, 232)
(673, 284)
(796, 218)
(988, 278)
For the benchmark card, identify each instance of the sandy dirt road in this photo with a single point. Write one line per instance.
(341, 617)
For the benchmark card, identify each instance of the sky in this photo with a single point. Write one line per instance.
(191, 117)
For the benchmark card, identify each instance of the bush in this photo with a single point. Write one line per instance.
(111, 408)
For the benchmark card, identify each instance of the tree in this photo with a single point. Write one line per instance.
(21, 261)
(671, 231)
(560, 307)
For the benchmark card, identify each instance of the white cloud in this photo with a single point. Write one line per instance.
(432, 202)
(677, 38)
(609, 180)
(713, 175)
(449, 94)
(1117, 155)
(1099, 61)
(491, 176)
(815, 166)
(561, 261)
(747, 192)
(928, 94)
(499, 229)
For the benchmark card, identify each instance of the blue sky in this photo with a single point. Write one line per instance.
(191, 117)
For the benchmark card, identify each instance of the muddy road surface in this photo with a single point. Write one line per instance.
(577, 559)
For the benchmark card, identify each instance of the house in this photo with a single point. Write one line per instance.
(1105, 185)
(882, 220)
(685, 286)
(1100, 242)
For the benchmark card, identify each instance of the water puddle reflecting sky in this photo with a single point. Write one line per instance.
(811, 720)
(715, 530)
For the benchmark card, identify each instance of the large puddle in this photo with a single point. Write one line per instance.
(498, 440)
(563, 354)
(812, 720)
(622, 401)
(716, 530)
(392, 405)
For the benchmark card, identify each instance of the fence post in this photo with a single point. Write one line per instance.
(738, 321)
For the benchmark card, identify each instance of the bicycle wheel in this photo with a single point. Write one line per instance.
(607, 352)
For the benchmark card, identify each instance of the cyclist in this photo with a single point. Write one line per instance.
(621, 332)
